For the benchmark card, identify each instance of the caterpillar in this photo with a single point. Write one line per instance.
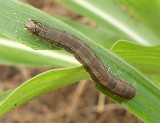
(84, 54)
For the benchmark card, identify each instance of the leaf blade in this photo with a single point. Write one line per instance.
(144, 58)
(43, 83)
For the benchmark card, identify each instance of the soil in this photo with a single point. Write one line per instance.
(76, 103)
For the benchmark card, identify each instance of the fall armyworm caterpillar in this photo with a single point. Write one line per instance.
(84, 54)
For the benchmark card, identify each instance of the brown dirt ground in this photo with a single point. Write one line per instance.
(76, 103)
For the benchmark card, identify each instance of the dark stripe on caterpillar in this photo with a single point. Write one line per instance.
(84, 54)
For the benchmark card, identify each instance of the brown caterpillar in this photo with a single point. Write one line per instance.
(84, 54)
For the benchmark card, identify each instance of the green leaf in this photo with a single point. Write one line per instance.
(110, 15)
(4, 94)
(146, 59)
(41, 84)
(155, 78)
(146, 12)
(104, 37)
(15, 14)
(12, 53)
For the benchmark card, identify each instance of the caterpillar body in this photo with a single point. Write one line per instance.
(84, 54)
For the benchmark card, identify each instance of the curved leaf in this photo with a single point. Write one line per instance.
(41, 84)
(110, 14)
(146, 59)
